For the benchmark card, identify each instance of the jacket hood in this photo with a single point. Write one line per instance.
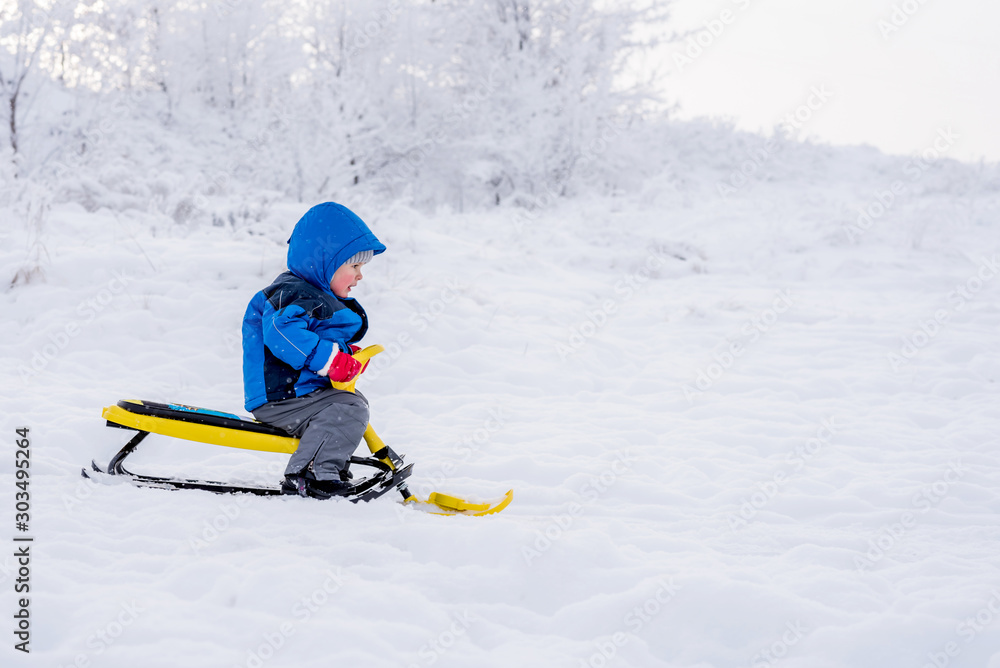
(325, 237)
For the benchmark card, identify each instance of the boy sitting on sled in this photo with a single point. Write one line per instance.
(297, 337)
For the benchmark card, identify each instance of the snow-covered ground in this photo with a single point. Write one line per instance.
(742, 429)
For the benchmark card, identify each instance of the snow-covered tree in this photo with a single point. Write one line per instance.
(25, 28)
(458, 102)
(512, 98)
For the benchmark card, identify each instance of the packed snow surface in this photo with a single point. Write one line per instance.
(747, 428)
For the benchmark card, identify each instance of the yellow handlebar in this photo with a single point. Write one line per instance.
(361, 356)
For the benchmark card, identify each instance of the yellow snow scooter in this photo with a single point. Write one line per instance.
(217, 428)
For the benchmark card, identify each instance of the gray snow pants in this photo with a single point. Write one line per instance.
(329, 424)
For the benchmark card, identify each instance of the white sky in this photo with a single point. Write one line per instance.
(941, 69)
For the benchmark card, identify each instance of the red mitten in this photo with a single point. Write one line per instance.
(341, 367)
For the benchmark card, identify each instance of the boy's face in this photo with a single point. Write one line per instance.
(345, 278)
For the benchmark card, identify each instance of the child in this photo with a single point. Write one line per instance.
(297, 336)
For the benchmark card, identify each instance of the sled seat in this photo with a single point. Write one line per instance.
(198, 424)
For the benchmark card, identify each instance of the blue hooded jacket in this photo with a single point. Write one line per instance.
(291, 327)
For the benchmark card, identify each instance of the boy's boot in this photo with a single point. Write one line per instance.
(294, 484)
(306, 485)
(325, 489)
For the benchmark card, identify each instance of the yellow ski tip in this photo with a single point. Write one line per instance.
(444, 504)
